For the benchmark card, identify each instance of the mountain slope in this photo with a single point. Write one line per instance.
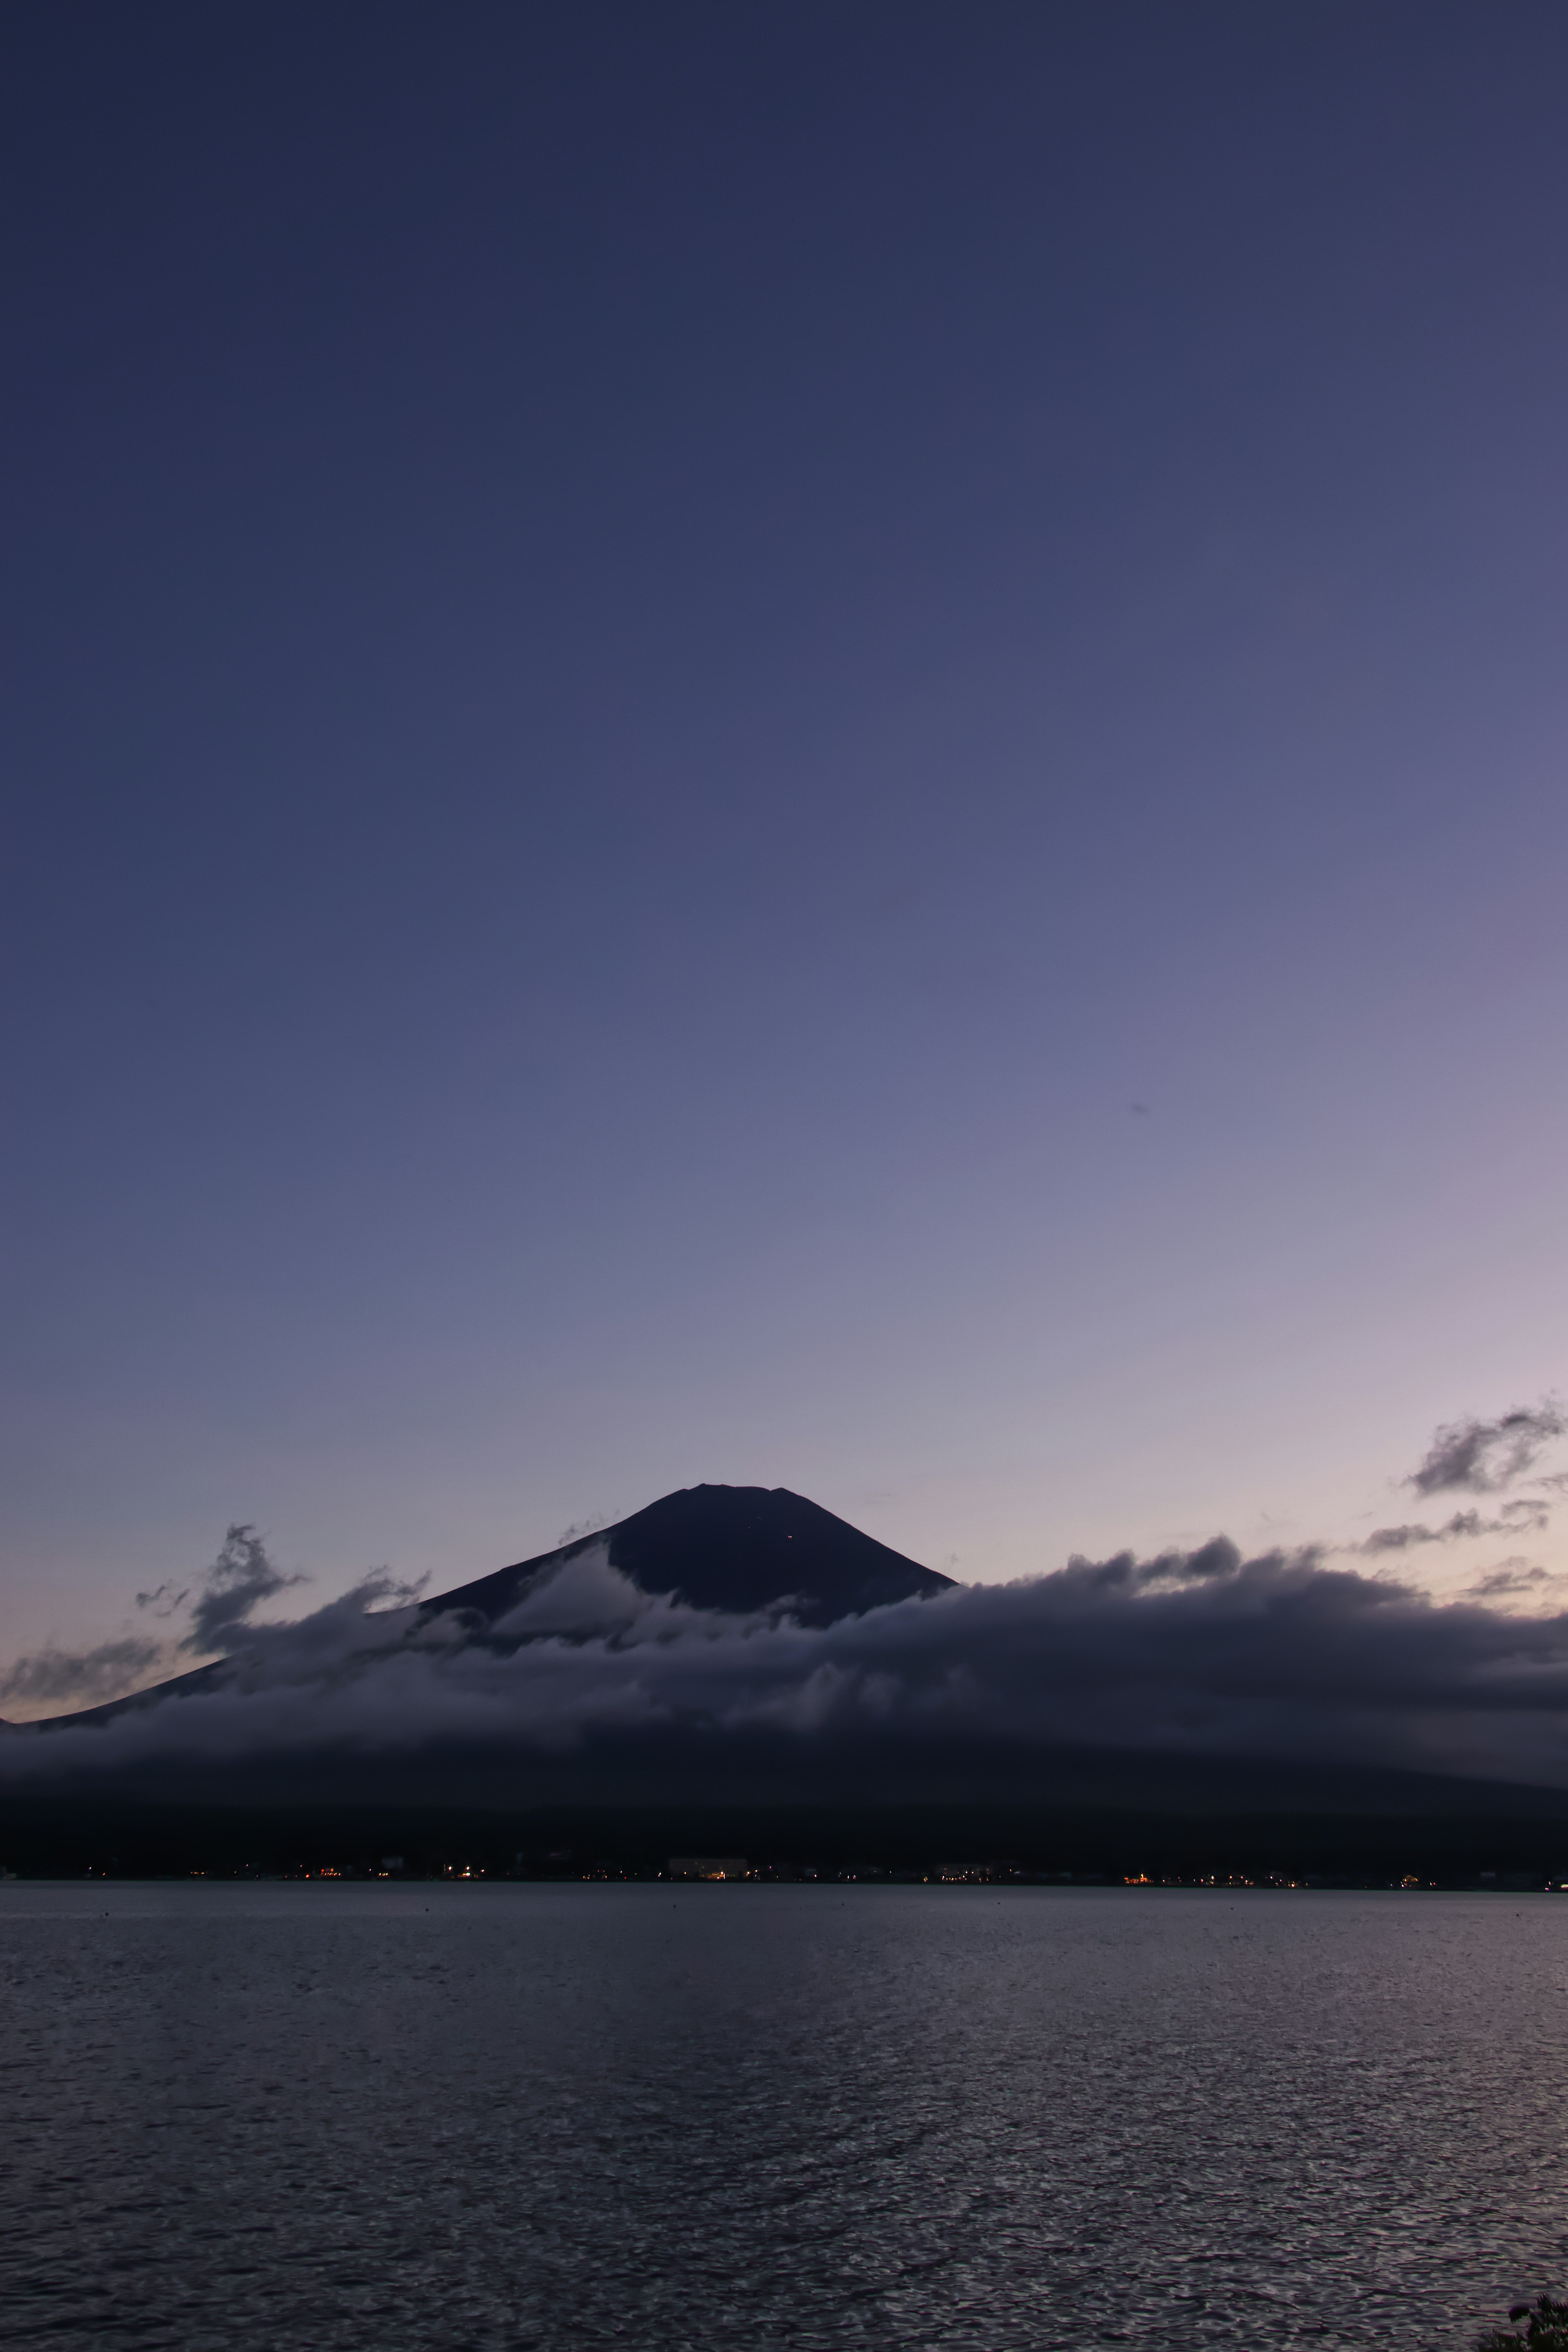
(732, 1547)
(736, 1549)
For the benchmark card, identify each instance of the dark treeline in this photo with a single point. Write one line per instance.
(53, 1838)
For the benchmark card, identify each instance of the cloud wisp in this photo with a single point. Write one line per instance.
(217, 1610)
(1511, 1576)
(239, 1579)
(1524, 1516)
(1484, 1457)
(58, 1677)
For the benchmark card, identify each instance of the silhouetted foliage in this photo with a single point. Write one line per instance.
(1546, 2329)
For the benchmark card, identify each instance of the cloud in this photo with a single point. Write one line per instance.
(237, 1583)
(55, 1676)
(594, 1688)
(164, 1601)
(595, 1524)
(227, 1594)
(1481, 1458)
(1523, 1516)
(1510, 1576)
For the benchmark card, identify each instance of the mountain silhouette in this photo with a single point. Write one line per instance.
(738, 1549)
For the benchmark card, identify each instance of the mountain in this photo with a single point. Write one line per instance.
(539, 1693)
(738, 1549)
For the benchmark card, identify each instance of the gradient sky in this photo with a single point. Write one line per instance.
(791, 744)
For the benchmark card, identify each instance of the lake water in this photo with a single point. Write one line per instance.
(295, 2118)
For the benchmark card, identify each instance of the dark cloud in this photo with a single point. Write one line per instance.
(226, 1595)
(1481, 1458)
(54, 1677)
(239, 1579)
(164, 1601)
(1521, 1517)
(592, 1684)
(1510, 1576)
(595, 1524)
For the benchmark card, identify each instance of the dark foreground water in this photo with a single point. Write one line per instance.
(295, 2118)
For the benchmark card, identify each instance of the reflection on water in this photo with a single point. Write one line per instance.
(296, 2118)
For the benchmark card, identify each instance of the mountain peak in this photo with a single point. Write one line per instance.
(738, 1549)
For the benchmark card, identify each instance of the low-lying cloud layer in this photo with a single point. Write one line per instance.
(592, 1687)
(1195, 1654)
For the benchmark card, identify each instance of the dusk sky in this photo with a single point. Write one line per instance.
(818, 746)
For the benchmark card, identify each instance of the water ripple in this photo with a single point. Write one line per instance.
(317, 2119)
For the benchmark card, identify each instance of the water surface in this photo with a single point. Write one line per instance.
(308, 2119)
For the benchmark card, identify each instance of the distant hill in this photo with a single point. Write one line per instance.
(732, 1548)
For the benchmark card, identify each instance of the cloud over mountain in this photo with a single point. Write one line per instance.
(648, 1658)
(1197, 1653)
(55, 1676)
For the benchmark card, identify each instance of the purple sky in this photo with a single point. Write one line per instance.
(778, 744)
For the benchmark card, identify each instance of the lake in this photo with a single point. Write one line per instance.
(298, 2117)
